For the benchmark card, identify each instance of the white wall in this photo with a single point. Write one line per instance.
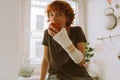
(96, 20)
(106, 51)
(9, 24)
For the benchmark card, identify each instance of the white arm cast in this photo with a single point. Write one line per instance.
(63, 39)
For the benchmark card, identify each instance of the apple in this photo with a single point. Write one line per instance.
(56, 25)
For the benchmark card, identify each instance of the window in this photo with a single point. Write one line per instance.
(38, 23)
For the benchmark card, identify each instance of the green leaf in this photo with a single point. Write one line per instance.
(90, 49)
(91, 55)
(87, 60)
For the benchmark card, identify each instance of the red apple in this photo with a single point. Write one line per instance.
(56, 25)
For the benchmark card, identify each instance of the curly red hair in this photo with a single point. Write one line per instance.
(63, 7)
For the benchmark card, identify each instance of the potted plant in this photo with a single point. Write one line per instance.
(88, 53)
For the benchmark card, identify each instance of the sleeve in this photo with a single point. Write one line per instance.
(45, 38)
(79, 34)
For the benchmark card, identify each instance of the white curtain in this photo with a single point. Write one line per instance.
(82, 14)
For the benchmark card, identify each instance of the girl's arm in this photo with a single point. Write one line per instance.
(81, 47)
(45, 64)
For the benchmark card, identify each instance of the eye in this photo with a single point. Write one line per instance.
(50, 14)
(59, 14)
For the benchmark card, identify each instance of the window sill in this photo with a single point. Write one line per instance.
(33, 77)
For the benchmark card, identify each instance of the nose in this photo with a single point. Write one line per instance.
(54, 18)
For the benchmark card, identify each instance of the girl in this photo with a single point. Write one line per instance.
(64, 47)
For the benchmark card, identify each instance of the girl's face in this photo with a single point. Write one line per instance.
(58, 17)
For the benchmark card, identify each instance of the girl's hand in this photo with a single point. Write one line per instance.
(53, 29)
